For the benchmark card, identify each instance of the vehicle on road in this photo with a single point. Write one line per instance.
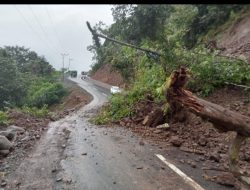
(73, 74)
(115, 89)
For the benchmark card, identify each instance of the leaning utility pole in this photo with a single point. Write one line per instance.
(96, 35)
(63, 54)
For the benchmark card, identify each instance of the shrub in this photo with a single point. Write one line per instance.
(36, 112)
(4, 120)
(41, 93)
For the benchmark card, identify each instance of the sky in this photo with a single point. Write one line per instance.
(52, 30)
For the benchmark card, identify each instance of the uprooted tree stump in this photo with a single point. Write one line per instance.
(222, 118)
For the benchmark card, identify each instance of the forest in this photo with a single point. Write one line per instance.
(27, 82)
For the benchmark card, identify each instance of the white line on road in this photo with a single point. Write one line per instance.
(180, 173)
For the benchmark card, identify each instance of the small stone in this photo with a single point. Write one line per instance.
(38, 136)
(63, 146)
(141, 143)
(53, 170)
(176, 141)
(182, 161)
(157, 131)
(84, 154)
(59, 179)
(105, 133)
(4, 183)
(139, 167)
(201, 158)
(4, 152)
(193, 164)
(114, 182)
(215, 157)
(164, 126)
(202, 141)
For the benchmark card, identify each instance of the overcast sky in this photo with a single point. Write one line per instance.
(51, 30)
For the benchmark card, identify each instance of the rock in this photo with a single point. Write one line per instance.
(59, 179)
(15, 129)
(225, 179)
(193, 164)
(182, 161)
(63, 146)
(145, 120)
(201, 158)
(164, 126)
(139, 167)
(122, 123)
(3, 184)
(214, 156)
(5, 144)
(38, 136)
(141, 143)
(4, 152)
(53, 170)
(157, 131)
(202, 141)
(84, 154)
(8, 134)
(176, 141)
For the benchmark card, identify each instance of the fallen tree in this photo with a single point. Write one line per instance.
(222, 118)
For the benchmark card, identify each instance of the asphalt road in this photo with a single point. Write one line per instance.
(77, 155)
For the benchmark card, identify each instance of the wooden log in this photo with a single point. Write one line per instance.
(222, 118)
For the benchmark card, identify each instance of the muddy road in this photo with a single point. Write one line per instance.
(77, 155)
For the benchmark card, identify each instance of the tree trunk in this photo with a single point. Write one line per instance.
(222, 118)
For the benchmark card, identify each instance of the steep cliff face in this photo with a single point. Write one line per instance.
(236, 39)
(107, 75)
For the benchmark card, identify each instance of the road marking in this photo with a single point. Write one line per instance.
(180, 173)
(104, 94)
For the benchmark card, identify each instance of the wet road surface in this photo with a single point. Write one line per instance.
(77, 155)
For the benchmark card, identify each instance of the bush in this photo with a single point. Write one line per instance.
(36, 112)
(4, 120)
(41, 93)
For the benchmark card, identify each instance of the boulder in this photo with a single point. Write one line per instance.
(14, 128)
(5, 144)
(4, 152)
(8, 134)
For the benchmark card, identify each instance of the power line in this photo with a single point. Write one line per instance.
(53, 26)
(31, 27)
(44, 32)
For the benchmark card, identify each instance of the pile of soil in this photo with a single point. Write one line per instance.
(107, 75)
(236, 39)
(193, 135)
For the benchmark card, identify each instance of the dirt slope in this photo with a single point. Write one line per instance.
(236, 39)
(107, 75)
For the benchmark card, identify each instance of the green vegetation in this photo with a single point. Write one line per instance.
(36, 112)
(179, 33)
(28, 81)
(4, 120)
